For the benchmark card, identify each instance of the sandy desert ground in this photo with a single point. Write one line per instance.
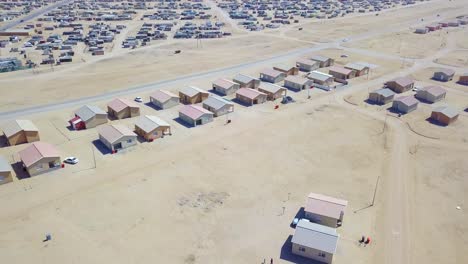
(226, 193)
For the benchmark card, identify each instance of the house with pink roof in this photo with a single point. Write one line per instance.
(250, 96)
(164, 99)
(342, 73)
(225, 87)
(40, 157)
(195, 115)
(325, 210)
(405, 104)
(123, 108)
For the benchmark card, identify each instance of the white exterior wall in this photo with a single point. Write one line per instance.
(312, 253)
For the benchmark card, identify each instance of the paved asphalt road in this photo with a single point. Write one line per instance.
(33, 15)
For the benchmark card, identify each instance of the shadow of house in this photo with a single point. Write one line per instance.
(287, 255)
(213, 91)
(300, 214)
(153, 106)
(182, 122)
(435, 122)
(237, 101)
(3, 141)
(101, 147)
(371, 102)
(20, 170)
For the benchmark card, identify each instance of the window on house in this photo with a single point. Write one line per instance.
(302, 249)
(129, 141)
(321, 254)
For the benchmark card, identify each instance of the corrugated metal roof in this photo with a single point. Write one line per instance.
(192, 91)
(319, 58)
(249, 93)
(297, 79)
(385, 92)
(87, 112)
(194, 111)
(403, 81)
(355, 66)
(271, 88)
(283, 67)
(448, 111)
(316, 75)
(163, 96)
(448, 72)
(216, 102)
(339, 69)
(242, 78)
(113, 133)
(4, 165)
(224, 83)
(316, 236)
(306, 61)
(271, 72)
(325, 205)
(119, 104)
(407, 100)
(433, 90)
(149, 123)
(16, 126)
(37, 151)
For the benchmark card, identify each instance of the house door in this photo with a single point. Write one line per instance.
(199, 122)
(118, 146)
(255, 101)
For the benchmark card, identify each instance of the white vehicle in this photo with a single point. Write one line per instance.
(344, 56)
(138, 99)
(71, 160)
(27, 45)
(415, 89)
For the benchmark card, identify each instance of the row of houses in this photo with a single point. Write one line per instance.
(440, 25)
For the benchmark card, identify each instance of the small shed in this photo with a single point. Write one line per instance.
(272, 91)
(341, 73)
(405, 104)
(225, 87)
(195, 115)
(297, 83)
(192, 95)
(463, 79)
(218, 106)
(400, 85)
(358, 69)
(444, 75)
(20, 132)
(271, 75)
(88, 116)
(123, 108)
(320, 78)
(445, 115)
(324, 61)
(40, 157)
(421, 30)
(381, 96)
(163, 99)
(246, 81)
(307, 65)
(152, 127)
(6, 174)
(116, 137)
(325, 210)
(431, 94)
(286, 69)
(315, 241)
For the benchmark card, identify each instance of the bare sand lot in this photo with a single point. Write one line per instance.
(456, 58)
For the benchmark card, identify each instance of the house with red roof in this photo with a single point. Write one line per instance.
(40, 157)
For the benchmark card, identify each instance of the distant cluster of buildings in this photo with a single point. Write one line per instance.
(461, 20)
(10, 10)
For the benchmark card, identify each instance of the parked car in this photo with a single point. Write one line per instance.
(138, 99)
(71, 160)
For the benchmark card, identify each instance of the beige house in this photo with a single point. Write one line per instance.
(225, 87)
(6, 174)
(91, 116)
(116, 137)
(325, 210)
(123, 108)
(250, 96)
(40, 157)
(218, 106)
(314, 241)
(164, 99)
(152, 127)
(272, 91)
(20, 132)
(192, 95)
(287, 69)
(307, 65)
(400, 85)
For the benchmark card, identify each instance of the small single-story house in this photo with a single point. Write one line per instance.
(315, 241)
(218, 106)
(288, 70)
(307, 65)
(271, 75)
(195, 115)
(272, 91)
(20, 132)
(434, 27)
(431, 94)
(116, 137)
(297, 83)
(325, 210)
(152, 127)
(463, 79)
(359, 69)
(123, 108)
(444, 75)
(453, 23)
(225, 87)
(192, 95)
(400, 85)
(246, 81)
(421, 30)
(381, 96)
(445, 115)
(88, 116)
(405, 104)
(250, 96)
(40, 157)
(320, 78)
(342, 73)
(324, 61)
(6, 174)
(164, 99)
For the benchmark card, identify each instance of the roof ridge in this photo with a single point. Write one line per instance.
(318, 231)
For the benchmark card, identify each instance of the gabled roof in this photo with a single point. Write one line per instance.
(271, 72)
(319, 58)
(16, 126)
(149, 123)
(249, 93)
(316, 75)
(194, 111)
(216, 102)
(224, 83)
(306, 61)
(37, 151)
(315, 236)
(119, 104)
(297, 79)
(402, 81)
(325, 205)
(192, 91)
(385, 92)
(242, 78)
(283, 67)
(271, 88)
(4, 165)
(87, 112)
(448, 111)
(113, 133)
(340, 69)
(448, 72)
(163, 96)
(407, 100)
(355, 66)
(433, 90)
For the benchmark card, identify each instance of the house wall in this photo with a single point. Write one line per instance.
(96, 120)
(443, 119)
(187, 119)
(134, 111)
(244, 99)
(227, 91)
(321, 219)
(222, 111)
(293, 86)
(18, 138)
(307, 67)
(5, 177)
(125, 142)
(312, 253)
(442, 77)
(463, 80)
(273, 96)
(198, 98)
(155, 134)
(398, 88)
(42, 166)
